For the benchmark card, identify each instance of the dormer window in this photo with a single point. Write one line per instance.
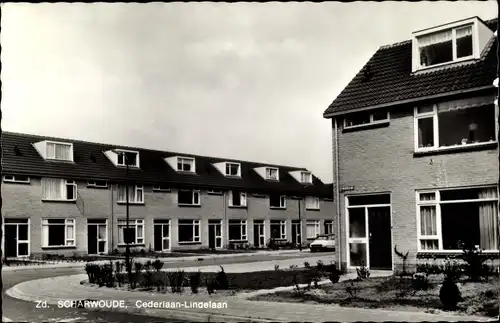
(272, 173)
(185, 164)
(306, 177)
(127, 157)
(52, 150)
(233, 169)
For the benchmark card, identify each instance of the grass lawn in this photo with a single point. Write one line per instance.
(479, 298)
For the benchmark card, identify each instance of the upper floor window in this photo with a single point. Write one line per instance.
(59, 151)
(185, 164)
(130, 158)
(161, 188)
(457, 123)
(16, 179)
(277, 201)
(214, 192)
(135, 194)
(365, 118)
(312, 203)
(233, 169)
(272, 173)
(100, 184)
(237, 199)
(55, 189)
(188, 197)
(306, 177)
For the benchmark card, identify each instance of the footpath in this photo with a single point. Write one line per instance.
(221, 308)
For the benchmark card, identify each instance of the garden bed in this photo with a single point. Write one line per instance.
(395, 293)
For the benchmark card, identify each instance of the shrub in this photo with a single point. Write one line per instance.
(449, 294)
(221, 279)
(334, 274)
(176, 280)
(276, 267)
(118, 270)
(472, 256)
(307, 264)
(320, 265)
(451, 270)
(291, 267)
(352, 290)
(312, 276)
(107, 275)
(420, 281)
(272, 244)
(363, 272)
(92, 272)
(195, 281)
(157, 264)
(429, 269)
(210, 286)
(148, 274)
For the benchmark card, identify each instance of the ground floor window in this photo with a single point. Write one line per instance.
(312, 229)
(450, 217)
(278, 229)
(189, 231)
(58, 232)
(136, 225)
(328, 226)
(237, 230)
(16, 237)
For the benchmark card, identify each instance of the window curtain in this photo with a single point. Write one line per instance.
(62, 152)
(436, 38)
(488, 220)
(52, 189)
(122, 193)
(51, 150)
(465, 103)
(464, 32)
(243, 197)
(311, 230)
(428, 223)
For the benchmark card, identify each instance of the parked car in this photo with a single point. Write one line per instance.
(323, 242)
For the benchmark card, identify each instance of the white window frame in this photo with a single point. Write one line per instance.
(184, 160)
(139, 239)
(228, 167)
(19, 241)
(310, 205)
(329, 224)
(371, 122)
(243, 229)
(64, 183)
(136, 189)
(13, 179)
(282, 224)
(435, 123)
(317, 228)
(214, 192)
(243, 199)
(306, 177)
(118, 152)
(193, 192)
(268, 171)
(196, 238)
(163, 223)
(51, 142)
(159, 188)
(94, 184)
(437, 204)
(282, 203)
(68, 223)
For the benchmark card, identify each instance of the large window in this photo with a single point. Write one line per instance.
(188, 197)
(237, 230)
(278, 229)
(54, 189)
(312, 228)
(59, 151)
(237, 199)
(448, 217)
(452, 124)
(233, 169)
(277, 201)
(135, 194)
(58, 232)
(312, 203)
(130, 158)
(189, 231)
(136, 225)
(328, 226)
(185, 164)
(445, 46)
(360, 119)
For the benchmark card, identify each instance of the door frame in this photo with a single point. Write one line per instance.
(166, 222)
(260, 223)
(215, 223)
(367, 229)
(98, 224)
(296, 223)
(16, 224)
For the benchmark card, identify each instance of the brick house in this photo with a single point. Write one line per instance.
(63, 196)
(415, 149)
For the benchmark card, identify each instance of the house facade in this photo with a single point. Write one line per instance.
(415, 149)
(64, 196)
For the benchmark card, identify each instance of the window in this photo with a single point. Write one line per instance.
(58, 232)
(59, 151)
(312, 203)
(328, 226)
(16, 179)
(233, 169)
(161, 188)
(135, 194)
(365, 118)
(137, 225)
(278, 229)
(58, 190)
(189, 231)
(237, 230)
(306, 177)
(277, 201)
(447, 217)
(445, 46)
(214, 192)
(237, 199)
(128, 157)
(185, 164)
(312, 229)
(103, 184)
(452, 124)
(272, 173)
(188, 197)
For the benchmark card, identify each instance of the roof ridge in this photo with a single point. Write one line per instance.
(258, 164)
(401, 43)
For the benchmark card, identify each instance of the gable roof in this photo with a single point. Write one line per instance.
(392, 79)
(19, 156)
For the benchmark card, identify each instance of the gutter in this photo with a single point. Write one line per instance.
(337, 194)
(400, 102)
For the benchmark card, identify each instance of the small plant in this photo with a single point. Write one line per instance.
(276, 267)
(148, 275)
(210, 286)
(472, 256)
(404, 259)
(92, 271)
(420, 281)
(352, 290)
(449, 294)
(291, 267)
(221, 279)
(195, 281)
(118, 270)
(176, 280)
(143, 252)
(299, 292)
(307, 264)
(320, 265)
(272, 244)
(334, 275)
(107, 272)
(157, 264)
(363, 272)
(451, 270)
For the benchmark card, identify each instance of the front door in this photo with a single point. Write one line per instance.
(161, 235)
(379, 238)
(296, 232)
(215, 234)
(16, 238)
(97, 236)
(259, 239)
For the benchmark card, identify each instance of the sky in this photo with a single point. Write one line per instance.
(248, 81)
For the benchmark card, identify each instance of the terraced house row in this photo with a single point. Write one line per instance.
(67, 196)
